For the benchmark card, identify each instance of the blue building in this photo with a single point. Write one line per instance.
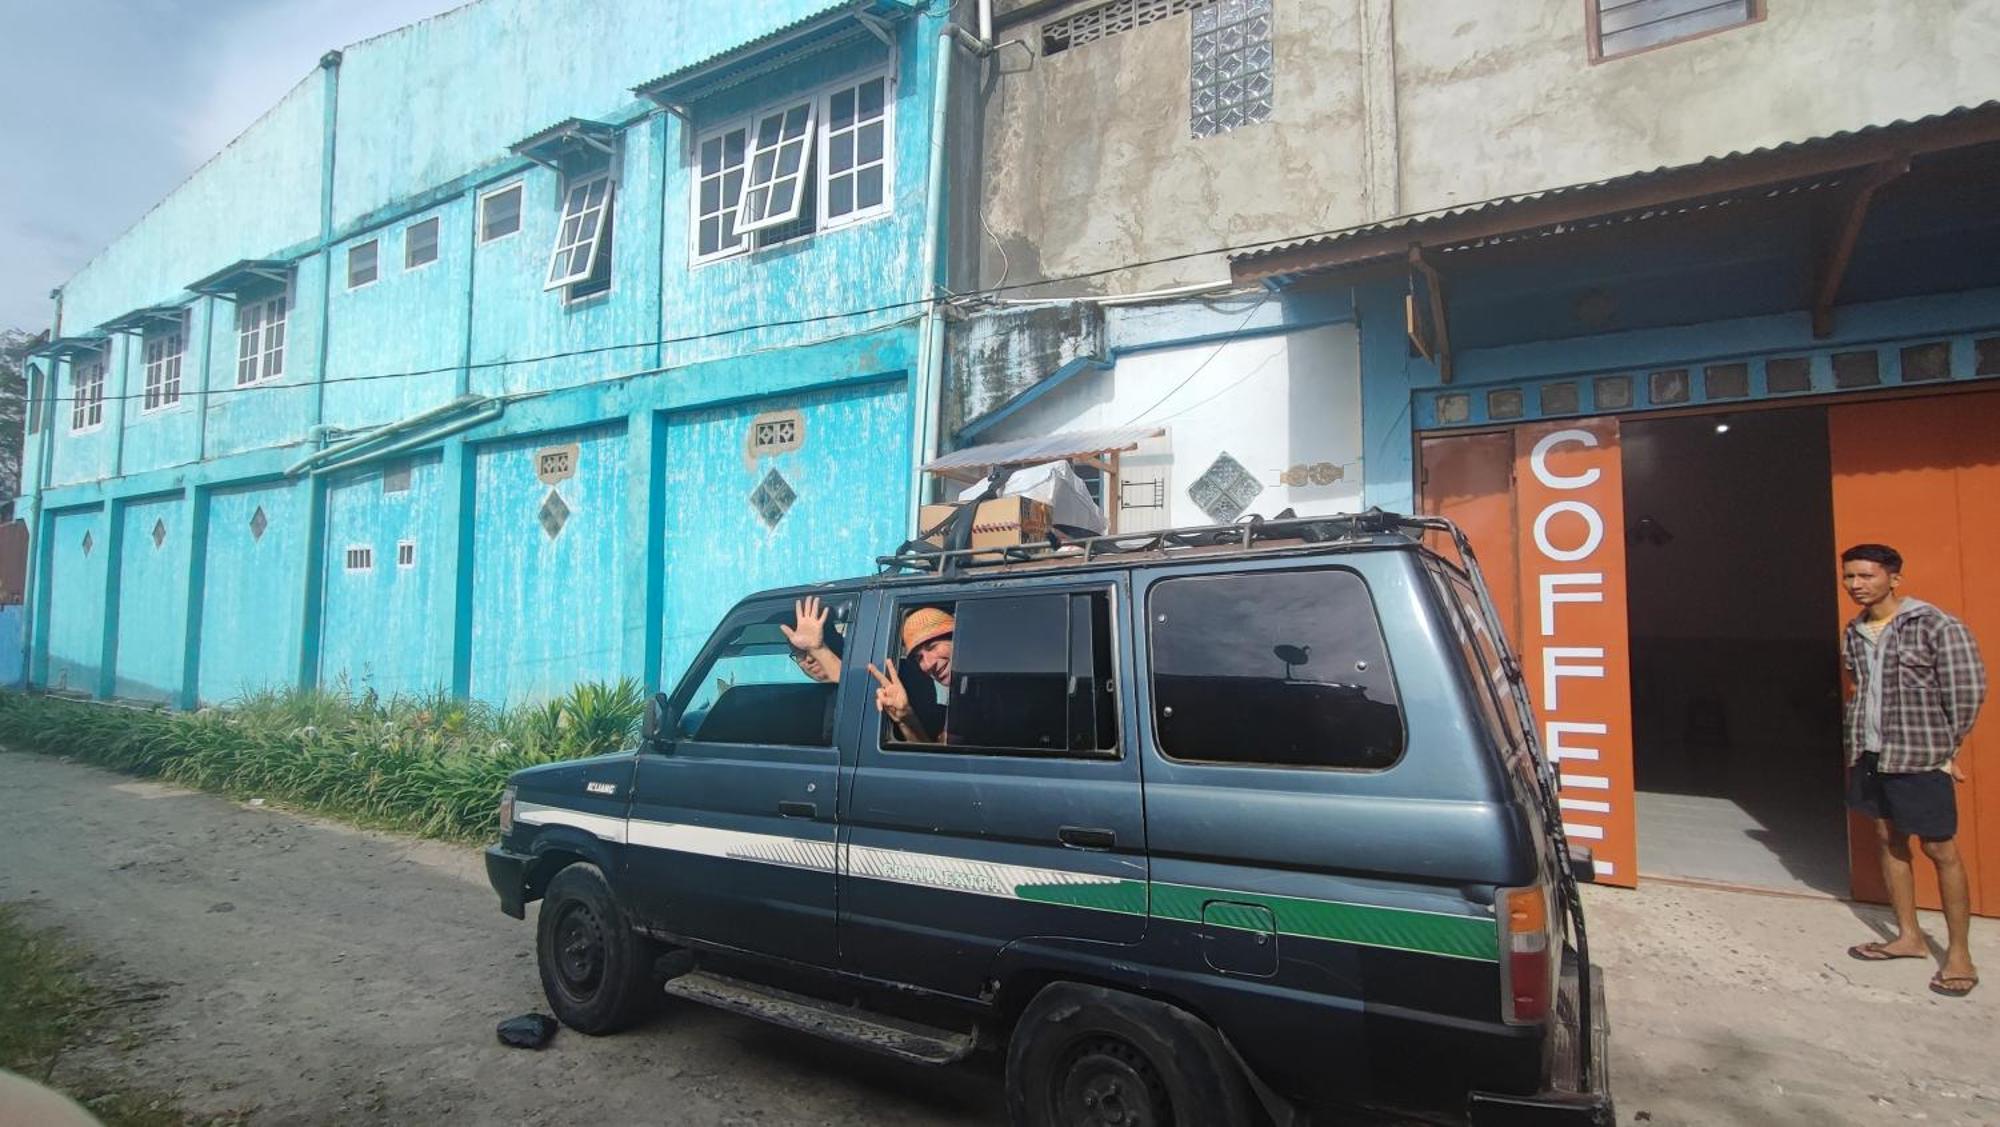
(504, 352)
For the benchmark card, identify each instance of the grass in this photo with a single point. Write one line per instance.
(427, 764)
(49, 1008)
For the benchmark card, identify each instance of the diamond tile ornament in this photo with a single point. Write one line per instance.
(554, 514)
(258, 523)
(159, 533)
(773, 498)
(1225, 489)
(88, 543)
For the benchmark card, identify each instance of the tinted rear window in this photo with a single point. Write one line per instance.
(1278, 668)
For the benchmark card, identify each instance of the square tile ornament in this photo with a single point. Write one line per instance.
(1225, 489)
(773, 498)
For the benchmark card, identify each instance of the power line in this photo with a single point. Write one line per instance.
(917, 303)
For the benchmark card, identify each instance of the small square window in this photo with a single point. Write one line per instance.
(1613, 393)
(1507, 403)
(406, 553)
(420, 244)
(361, 264)
(1726, 381)
(500, 213)
(360, 557)
(1856, 369)
(1454, 409)
(1559, 399)
(1923, 362)
(1986, 356)
(1668, 387)
(1788, 374)
(1623, 27)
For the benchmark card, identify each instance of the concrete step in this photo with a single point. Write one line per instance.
(906, 1040)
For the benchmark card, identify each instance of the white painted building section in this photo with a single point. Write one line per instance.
(1285, 406)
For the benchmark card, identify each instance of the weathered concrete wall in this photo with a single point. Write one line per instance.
(1506, 100)
(1391, 107)
(1090, 164)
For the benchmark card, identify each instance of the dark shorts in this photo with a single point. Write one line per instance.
(1924, 803)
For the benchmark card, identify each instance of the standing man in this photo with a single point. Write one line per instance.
(1918, 685)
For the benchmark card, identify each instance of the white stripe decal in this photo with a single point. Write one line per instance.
(1585, 804)
(1586, 782)
(735, 845)
(957, 874)
(604, 826)
(1595, 833)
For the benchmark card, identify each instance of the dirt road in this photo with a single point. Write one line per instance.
(319, 974)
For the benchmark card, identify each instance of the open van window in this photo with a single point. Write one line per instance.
(753, 690)
(1029, 674)
(1272, 668)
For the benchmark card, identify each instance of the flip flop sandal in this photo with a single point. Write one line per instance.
(1941, 983)
(1874, 953)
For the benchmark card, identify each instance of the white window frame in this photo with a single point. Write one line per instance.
(437, 243)
(406, 554)
(163, 368)
(577, 207)
(375, 245)
(749, 241)
(728, 204)
(887, 162)
(519, 188)
(775, 150)
(358, 558)
(86, 406)
(265, 336)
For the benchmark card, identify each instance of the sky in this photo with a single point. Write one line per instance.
(107, 105)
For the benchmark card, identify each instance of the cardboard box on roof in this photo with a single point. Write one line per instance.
(1000, 523)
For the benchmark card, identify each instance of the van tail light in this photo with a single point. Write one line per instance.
(507, 811)
(1528, 952)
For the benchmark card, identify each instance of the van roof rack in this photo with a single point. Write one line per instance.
(916, 556)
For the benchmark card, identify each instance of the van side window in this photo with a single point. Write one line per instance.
(755, 689)
(1029, 674)
(1273, 668)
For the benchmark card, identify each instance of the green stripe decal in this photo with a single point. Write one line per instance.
(1401, 929)
(1124, 896)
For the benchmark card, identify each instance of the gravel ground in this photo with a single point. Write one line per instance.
(312, 973)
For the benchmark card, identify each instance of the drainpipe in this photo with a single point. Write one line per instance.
(382, 432)
(930, 355)
(329, 68)
(201, 393)
(491, 413)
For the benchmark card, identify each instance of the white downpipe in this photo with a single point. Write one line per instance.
(930, 349)
(986, 23)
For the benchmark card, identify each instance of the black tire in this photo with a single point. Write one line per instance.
(1085, 1056)
(596, 971)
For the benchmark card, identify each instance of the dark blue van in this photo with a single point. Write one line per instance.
(1203, 827)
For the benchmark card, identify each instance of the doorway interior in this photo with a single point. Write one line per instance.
(1733, 610)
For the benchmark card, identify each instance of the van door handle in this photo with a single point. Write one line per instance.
(1077, 837)
(798, 809)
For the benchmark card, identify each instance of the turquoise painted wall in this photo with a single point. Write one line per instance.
(152, 601)
(251, 582)
(544, 607)
(79, 544)
(849, 480)
(379, 626)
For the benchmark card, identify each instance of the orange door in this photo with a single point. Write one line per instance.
(1923, 476)
(1469, 480)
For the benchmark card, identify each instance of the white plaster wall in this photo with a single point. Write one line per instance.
(1270, 402)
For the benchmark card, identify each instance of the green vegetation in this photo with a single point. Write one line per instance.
(49, 1007)
(428, 764)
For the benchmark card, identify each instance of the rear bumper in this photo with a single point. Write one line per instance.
(508, 874)
(1572, 1096)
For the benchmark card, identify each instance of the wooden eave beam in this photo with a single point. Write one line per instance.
(1434, 285)
(1839, 250)
(1633, 193)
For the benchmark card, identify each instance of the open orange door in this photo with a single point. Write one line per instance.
(1923, 475)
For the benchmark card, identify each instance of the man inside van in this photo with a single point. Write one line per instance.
(1918, 685)
(927, 640)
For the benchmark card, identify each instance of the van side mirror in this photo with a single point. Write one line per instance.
(656, 720)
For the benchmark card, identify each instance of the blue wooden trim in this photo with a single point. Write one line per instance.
(114, 549)
(197, 537)
(312, 593)
(457, 546)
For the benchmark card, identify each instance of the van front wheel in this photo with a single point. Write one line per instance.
(596, 971)
(1085, 1056)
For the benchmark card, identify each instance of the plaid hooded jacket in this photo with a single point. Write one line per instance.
(1933, 683)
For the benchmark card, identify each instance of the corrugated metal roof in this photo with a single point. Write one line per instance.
(1044, 448)
(241, 275)
(1255, 263)
(726, 68)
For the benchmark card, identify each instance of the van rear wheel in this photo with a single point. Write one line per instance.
(1085, 1056)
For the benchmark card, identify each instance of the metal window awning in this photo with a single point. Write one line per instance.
(240, 277)
(139, 320)
(824, 30)
(61, 348)
(565, 137)
(975, 462)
